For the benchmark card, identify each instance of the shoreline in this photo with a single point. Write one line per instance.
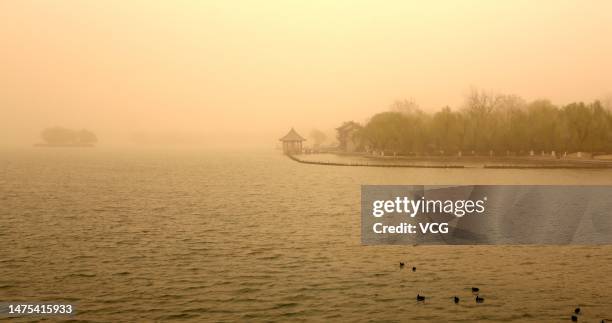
(324, 163)
(505, 162)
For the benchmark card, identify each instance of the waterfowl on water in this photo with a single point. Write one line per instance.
(413, 268)
(577, 310)
(420, 298)
(479, 299)
(401, 265)
(574, 318)
(456, 299)
(475, 289)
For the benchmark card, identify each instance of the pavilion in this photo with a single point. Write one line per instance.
(292, 142)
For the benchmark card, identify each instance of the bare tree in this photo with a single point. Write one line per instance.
(318, 137)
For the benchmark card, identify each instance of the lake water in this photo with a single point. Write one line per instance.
(251, 235)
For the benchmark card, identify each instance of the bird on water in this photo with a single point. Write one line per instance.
(456, 299)
(401, 265)
(574, 318)
(420, 298)
(577, 310)
(475, 289)
(413, 268)
(479, 299)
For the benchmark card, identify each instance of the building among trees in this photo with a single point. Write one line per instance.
(348, 136)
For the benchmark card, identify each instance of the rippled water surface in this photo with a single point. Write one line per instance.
(251, 235)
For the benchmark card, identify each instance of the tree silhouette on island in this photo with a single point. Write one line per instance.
(64, 137)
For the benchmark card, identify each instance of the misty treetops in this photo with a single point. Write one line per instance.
(502, 124)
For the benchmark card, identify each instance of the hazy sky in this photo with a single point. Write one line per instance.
(252, 69)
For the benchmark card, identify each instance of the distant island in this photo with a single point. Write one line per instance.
(63, 137)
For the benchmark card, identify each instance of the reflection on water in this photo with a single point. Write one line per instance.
(194, 235)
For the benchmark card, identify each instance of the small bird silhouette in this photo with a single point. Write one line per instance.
(479, 299)
(574, 318)
(475, 289)
(577, 310)
(413, 268)
(456, 299)
(401, 265)
(420, 298)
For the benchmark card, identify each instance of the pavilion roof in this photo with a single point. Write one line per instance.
(292, 136)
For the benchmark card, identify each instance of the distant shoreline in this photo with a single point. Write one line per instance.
(64, 145)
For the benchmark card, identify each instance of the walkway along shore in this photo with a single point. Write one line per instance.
(370, 165)
(586, 166)
(517, 166)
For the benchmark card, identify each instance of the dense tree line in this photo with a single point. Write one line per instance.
(498, 124)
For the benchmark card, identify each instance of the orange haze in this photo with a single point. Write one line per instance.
(244, 72)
